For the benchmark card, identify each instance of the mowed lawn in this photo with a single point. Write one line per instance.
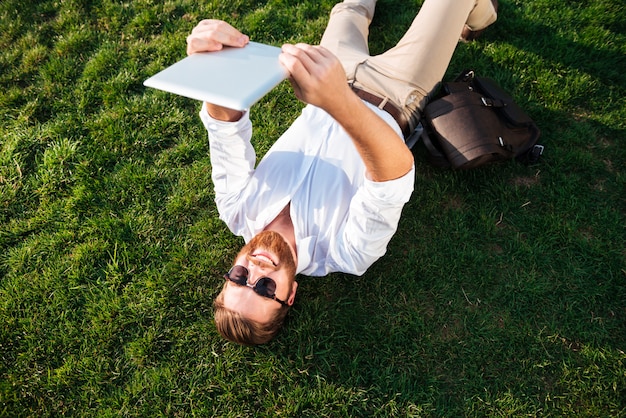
(502, 294)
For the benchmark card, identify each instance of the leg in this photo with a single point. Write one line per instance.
(408, 72)
(347, 32)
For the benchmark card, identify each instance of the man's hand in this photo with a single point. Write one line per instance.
(317, 76)
(213, 35)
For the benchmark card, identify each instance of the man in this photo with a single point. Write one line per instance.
(329, 193)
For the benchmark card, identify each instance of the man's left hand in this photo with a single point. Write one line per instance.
(317, 76)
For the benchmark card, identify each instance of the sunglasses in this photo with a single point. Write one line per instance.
(265, 286)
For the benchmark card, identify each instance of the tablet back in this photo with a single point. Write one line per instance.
(233, 77)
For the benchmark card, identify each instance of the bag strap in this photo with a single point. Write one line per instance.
(435, 156)
(465, 76)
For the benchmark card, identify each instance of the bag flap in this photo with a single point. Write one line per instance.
(491, 89)
(451, 102)
(509, 108)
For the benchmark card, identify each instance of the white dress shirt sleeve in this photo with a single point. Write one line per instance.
(372, 221)
(232, 165)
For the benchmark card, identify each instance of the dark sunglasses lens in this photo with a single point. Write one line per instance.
(265, 287)
(239, 275)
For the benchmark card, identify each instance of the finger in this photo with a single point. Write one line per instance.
(204, 43)
(296, 72)
(224, 37)
(217, 26)
(324, 52)
(316, 59)
(213, 35)
(315, 51)
(307, 53)
(303, 54)
(200, 44)
(292, 63)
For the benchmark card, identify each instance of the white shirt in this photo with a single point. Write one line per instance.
(342, 220)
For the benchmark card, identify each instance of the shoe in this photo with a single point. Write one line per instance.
(469, 35)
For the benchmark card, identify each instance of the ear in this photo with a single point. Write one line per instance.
(292, 296)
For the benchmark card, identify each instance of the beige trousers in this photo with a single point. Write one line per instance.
(407, 73)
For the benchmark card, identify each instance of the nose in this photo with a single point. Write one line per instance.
(256, 272)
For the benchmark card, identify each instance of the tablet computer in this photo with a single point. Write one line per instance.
(235, 78)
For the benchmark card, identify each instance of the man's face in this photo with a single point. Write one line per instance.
(266, 255)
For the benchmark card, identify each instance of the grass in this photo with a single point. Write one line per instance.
(502, 294)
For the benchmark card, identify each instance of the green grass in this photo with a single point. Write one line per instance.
(502, 294)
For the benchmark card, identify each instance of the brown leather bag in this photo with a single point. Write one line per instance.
(475, 122)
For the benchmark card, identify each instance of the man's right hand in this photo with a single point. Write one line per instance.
(213, 35)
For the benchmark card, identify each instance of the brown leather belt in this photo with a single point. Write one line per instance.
(388, 107)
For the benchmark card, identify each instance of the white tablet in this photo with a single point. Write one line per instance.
(233, 77)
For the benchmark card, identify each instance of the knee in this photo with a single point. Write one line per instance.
(362, 7)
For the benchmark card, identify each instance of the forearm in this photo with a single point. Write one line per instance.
(223, 113)
(318, 78)
(383, 151)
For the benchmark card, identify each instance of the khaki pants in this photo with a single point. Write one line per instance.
(408, 72)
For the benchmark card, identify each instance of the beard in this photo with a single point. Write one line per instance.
(272, 242)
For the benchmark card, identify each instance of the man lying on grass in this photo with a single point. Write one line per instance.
(328, 195)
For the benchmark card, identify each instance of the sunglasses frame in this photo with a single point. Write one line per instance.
(255, 286)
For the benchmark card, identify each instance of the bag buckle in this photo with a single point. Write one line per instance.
(532, 155)
(489, 102)
(535, 152)
(466, 76)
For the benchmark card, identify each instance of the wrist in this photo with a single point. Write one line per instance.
(346, 108)
(223, 113)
